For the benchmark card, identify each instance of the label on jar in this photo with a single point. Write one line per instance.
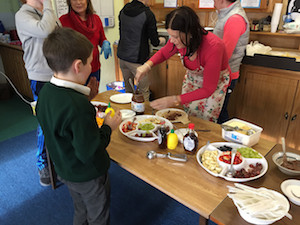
(138, 107)
(189, 143)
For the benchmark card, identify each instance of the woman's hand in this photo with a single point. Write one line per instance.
(165, 102)
(141, 71)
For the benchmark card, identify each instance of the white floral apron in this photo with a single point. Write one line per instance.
(207, 108)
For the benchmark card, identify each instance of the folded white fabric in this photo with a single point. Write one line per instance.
(257, 48)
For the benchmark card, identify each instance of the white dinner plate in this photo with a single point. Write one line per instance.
(121, 98)
(246, 163)
(166, 112)
(140, 120)
(95, 103)
(288, 186)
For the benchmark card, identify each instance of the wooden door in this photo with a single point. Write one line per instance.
(156, 3)
(292, 137)
(194, 4)
(175, 75)
(267, 100)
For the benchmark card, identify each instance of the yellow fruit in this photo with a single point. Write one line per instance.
(172, 140)
(109, 108)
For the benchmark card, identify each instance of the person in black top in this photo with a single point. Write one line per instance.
(137, 26)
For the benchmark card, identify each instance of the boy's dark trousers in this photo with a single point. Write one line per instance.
(91, 200)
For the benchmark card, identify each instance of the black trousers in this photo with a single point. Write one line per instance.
(224, 116)
(91, 200)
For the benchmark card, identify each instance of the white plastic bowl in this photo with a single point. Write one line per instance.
(127, 114)
(254, 220)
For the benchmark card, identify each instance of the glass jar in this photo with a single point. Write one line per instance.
(162, 137)
(138, 103)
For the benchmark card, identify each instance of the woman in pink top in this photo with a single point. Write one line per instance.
(203, 55)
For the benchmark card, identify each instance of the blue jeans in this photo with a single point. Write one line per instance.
(41, 155)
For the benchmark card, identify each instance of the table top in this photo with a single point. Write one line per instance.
(227, 213)
(188, 183)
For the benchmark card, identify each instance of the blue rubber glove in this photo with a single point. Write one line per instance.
(106, 48)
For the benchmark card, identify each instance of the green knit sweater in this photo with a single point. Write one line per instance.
(76, 145)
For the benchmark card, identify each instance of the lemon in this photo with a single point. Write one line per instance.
(172, 140)
(109, 108)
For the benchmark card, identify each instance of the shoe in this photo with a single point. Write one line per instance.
(45, 177)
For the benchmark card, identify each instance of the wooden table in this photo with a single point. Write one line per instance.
(187, 182)
(227, 213)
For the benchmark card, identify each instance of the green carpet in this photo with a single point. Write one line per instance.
(15, 118)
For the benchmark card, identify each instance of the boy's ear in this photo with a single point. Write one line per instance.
(77, 65)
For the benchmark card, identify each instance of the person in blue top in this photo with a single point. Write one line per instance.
(34, 22)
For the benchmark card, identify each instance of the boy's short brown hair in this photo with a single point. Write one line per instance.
(63, 46)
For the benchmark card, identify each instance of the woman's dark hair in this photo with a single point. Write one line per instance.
(89, 8)
(185, 20)
(63, 46)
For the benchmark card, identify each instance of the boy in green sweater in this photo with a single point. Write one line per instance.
(76, 145)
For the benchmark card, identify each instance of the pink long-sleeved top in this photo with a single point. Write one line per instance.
(211, 56)
(234, 27)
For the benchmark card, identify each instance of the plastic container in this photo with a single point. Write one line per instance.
(117, 86)
(237, 137)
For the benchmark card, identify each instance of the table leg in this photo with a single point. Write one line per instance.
(203, 221)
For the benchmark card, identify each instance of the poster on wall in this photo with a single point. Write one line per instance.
(61, 7)
(170, 3)
(206, 4)
(250, 3)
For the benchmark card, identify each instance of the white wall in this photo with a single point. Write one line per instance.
(112, 34)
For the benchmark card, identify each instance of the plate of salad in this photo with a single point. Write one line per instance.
(144, 127)
(248, 164)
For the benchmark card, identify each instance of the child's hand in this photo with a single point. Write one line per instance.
(115, 121)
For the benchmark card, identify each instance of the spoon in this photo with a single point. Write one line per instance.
(177, 157)
(200, 130)
(297, 195)
(284, 158)
(230, 173)
(236, 128)
(131, 84)
(130, 125)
